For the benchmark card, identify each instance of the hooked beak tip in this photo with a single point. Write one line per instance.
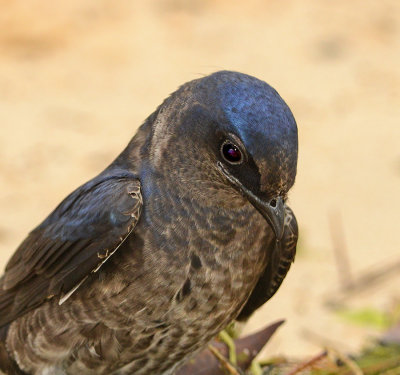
(274, 212)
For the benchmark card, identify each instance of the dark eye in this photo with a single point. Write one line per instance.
(231, 153)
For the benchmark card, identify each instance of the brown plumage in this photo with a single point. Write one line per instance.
(185, 231)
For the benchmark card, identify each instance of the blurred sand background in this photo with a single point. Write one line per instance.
(78, 77)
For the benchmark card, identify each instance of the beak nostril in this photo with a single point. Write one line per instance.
(273, 203)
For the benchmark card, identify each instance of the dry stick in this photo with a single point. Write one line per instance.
(375, 275)
(223, 360)
(349, 284)
(365, 281)
(309, 363)
(352, 365)
(322, 341)
(340, 250)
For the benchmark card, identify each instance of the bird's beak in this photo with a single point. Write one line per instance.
(273, 211)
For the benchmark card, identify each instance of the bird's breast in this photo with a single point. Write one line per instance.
(178, 281)
(206, 261)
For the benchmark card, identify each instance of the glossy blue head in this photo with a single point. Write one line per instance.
(253, 112)
(228, 130)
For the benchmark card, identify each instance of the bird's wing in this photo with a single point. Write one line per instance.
(281, 257)
(74, 241)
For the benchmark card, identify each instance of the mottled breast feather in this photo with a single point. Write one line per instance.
(281, 256)
(74, 241)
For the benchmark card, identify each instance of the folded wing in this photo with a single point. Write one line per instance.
(75, 240)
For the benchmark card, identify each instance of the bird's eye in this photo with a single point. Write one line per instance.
(231, 153)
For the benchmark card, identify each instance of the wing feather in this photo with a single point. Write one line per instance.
(75, 240)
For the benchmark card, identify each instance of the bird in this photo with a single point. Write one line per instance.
(187, 230)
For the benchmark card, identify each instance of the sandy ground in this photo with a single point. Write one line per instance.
(78, 77)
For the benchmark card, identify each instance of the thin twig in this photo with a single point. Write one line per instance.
(366, 280)
(352, 365)
(309, 363)
(340, 250)
(323, 341)
(223, 360)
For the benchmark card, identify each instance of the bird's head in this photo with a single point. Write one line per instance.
(226, 137)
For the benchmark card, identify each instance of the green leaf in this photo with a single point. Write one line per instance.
(367, 317)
